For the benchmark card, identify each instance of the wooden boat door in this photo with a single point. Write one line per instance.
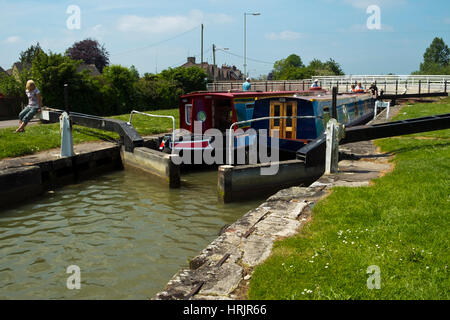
(286, 127)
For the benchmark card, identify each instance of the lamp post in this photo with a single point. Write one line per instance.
(245, 39)
(214, 58)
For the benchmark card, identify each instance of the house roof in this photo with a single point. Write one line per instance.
(93, 71)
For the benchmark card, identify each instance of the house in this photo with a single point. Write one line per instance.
(224, 73)
(93, 71)
(16, 69)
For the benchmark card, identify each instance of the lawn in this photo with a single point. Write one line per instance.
(46, 136)
(400, 224)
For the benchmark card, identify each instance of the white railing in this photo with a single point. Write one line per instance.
(231, 139)
(389, 83)
(394, 84)
(156, 116)
(265, 86)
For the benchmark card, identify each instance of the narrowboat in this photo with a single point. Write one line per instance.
(217, 110)
(309, 116)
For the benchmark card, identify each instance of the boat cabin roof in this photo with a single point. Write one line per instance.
(325, 97)
(243, 94)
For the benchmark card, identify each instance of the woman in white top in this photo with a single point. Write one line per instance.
(33, 107)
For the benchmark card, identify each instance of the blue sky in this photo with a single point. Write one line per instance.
(154, 35)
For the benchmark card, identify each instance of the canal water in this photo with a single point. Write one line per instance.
(128, 234)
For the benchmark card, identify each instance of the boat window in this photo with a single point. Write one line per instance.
(289, 114)
(188, 113)
(276, 113)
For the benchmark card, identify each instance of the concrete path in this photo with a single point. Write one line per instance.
(15, 123)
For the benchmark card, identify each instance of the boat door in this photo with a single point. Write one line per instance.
(286, 127)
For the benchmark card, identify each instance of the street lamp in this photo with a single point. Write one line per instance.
(214, 58)
(245, 38)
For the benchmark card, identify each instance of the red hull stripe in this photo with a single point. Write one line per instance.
(192, 144)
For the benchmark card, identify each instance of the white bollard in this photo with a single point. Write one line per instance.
(332, 149)
(66, 135)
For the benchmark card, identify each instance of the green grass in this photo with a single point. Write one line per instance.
(400, 224)
(46, 136)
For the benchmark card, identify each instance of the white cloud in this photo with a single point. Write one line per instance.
(283, 35)
(170, 24)
(12, 39)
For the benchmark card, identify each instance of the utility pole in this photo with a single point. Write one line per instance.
(214, 54)
(202, 46)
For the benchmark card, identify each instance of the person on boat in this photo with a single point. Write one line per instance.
(359, 88)
(373, 89)
(246, 86)
(353, 89)
(34, 105)
(315, 84)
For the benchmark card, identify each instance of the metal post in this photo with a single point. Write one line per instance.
(332, 147)
(396, 86)
(66, 97)
(445, 86)
(334, 103)
(65, 126)
(420, 85)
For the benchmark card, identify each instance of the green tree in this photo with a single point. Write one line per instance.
(9, 87)
(436, 59)
(50, 72)
(188, 79)
(292, 68)
(334, 67)
(26, 57)
(120, 87)
(285, 69)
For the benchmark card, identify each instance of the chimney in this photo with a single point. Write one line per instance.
(191, 60)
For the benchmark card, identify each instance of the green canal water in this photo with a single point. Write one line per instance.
(128, 234)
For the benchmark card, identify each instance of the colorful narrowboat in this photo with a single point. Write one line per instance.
(218, 110)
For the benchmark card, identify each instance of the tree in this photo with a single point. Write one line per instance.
(91, 52)
(284, 69)
(292, 68)
(188, 79)
(50, 72)
(26, 57)
(120, 86)
(9, 87)
(334, 67)
(436, 59)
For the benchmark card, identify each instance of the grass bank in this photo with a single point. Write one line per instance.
(42, 137)
(400, 224)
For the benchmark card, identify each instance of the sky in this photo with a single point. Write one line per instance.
(154, 35)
